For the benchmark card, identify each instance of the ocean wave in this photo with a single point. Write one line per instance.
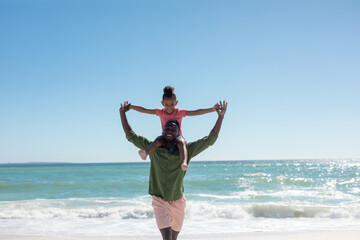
(259, 174)
(141, 209)
(264, 177)
(316, 196)
(125, 212)
(269, 210)
(136, 208)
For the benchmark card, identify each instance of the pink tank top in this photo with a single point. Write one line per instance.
(177, 114)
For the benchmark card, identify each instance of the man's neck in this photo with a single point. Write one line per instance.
(168, 145)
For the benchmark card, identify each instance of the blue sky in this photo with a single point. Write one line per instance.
(289, 70)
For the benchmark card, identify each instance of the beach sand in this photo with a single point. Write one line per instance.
(304, 235)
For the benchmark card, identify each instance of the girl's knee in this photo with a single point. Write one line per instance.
(159, 140)
(180, 141)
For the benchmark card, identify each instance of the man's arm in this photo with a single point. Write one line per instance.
(142, 109)
(201, 111)
(137, 140)
(123, 109)
(221, 110)
(194, 148)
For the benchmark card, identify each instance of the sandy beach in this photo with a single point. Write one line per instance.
(293, 235)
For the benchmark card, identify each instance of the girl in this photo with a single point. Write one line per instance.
(169, 112)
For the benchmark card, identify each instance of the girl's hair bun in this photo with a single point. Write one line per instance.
(168, 90)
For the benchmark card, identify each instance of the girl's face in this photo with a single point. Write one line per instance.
(169, 104)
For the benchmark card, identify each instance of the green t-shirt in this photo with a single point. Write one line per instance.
(166, 176)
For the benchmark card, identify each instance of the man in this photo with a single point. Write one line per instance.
(166, 183)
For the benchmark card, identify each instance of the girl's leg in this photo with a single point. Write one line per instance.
(152, 147)
(181, 145)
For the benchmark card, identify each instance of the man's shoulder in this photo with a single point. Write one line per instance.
(139, 141)
(130, 133)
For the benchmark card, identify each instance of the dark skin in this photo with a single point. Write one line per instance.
(169, 104)
(221, 110)
(171, 132)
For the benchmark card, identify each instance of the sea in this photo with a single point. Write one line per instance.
(111, 199)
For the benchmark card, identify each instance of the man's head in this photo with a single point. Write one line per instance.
(171, 130)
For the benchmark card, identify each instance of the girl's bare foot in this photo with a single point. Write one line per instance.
(184, 166)
(143, 154)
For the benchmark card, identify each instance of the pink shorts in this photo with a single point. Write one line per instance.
(169, 214)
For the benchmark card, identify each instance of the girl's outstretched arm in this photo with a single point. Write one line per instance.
(201, 111)
(143, 110)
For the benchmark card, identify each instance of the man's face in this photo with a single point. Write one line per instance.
(171, 131)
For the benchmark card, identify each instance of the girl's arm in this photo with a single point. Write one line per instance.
(143, 110)
(201, 111)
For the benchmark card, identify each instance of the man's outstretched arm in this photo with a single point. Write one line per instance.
(123, 109)
(194, 148)
(221, 110)
(137, 140)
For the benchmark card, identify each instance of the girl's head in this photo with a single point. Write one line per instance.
(169, 99)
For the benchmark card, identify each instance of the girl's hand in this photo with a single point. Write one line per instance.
(221, 110)
(124, 107)
(216, 106)
(184, 166)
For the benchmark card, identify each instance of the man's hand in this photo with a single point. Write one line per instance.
(221, 108)
(125, 107)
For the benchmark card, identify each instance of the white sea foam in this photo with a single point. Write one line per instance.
(118, 213)
(259, 174)
(269, 210)
(130, 219)
(141, 209)
(274, 196)
(315, 196)
(354, 191)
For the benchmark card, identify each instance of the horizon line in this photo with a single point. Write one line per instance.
(285, 159)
